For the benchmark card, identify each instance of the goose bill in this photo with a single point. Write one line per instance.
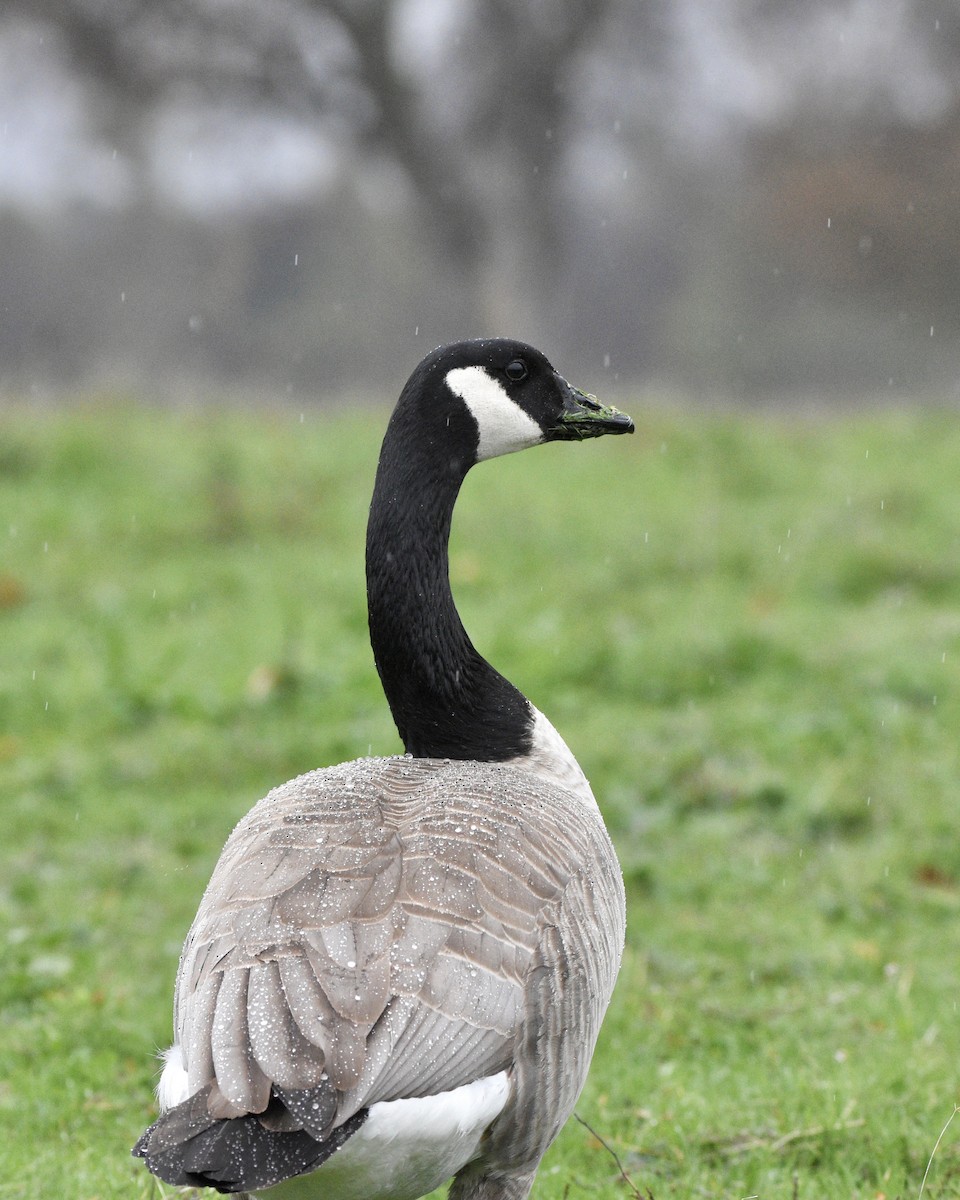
(584, 416)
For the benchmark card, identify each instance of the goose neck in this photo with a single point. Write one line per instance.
(446, 699)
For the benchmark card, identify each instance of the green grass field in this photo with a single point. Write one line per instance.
(746, 626)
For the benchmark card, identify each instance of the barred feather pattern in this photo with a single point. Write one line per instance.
(393, 928)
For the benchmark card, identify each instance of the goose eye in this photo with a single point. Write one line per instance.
(516, 370)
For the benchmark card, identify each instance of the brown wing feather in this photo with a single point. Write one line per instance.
(567, 990)
(373, 928)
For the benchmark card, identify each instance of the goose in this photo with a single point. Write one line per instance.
(399, 968)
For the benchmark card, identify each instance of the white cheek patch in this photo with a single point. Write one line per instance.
(504, 426)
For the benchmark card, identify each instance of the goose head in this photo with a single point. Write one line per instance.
(480, 399)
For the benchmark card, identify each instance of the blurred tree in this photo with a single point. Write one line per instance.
(640, 182)
(478, 124)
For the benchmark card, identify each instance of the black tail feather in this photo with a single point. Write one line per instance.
(189, 1148)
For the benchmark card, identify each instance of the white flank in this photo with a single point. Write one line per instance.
(464, 1112)
(503, 425)
(405, 1148)
(173, 1087)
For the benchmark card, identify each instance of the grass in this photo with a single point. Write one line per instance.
(747, 627)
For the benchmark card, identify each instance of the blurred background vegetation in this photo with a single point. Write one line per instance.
(732, 198)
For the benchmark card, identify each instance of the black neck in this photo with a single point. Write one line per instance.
(447, 701)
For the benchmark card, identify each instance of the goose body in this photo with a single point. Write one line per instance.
(398, 971)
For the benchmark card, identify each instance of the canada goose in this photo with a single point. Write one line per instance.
(399, 968)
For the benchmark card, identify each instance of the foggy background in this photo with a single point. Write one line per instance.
(731, 198)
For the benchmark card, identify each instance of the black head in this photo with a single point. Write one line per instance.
(497, 395)
(463, 403)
